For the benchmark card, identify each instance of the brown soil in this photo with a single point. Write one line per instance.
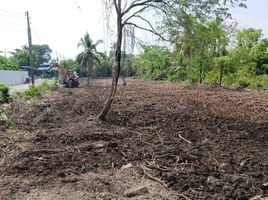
(184, 142)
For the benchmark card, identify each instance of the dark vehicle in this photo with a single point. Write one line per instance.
(71, 81)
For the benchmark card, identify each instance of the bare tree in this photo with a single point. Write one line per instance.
(127, 10)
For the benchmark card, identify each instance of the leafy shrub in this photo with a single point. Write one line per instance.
(37, 91)
(4, 93)
(244, 83)
(230, 79)
(47, 86)
(212, 78)
(4, 119)
(32, 92)
(259, 82)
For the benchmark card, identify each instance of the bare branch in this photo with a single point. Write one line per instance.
(146, 29)
(136, 4)
(135, 13)
(116, 6)
(158, 8)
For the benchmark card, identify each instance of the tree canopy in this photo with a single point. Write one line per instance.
(41, 54)
(89, 53)
(7, 64)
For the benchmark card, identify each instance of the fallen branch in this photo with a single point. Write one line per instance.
(189, 142)
(152, 177)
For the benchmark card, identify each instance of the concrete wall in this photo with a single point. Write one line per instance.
(12, 77)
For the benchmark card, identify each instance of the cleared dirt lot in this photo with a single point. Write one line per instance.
(183, 142)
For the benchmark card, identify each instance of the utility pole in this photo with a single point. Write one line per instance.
(30, 46)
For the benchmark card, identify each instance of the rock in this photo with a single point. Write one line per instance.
(138, 191)
(129, 165)
(265, 186)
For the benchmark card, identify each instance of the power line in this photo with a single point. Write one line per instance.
(6, 14)
(11, 13)
(11, 23)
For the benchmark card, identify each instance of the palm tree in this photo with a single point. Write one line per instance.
(89, 54)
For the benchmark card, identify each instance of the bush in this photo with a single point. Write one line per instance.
(47, 86)
(37, 91)
(4, 120)
(244, 83)
(259, 82)
(4, 93)
(32, 92)
(212, 78)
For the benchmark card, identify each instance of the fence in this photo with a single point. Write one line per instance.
(12, 77)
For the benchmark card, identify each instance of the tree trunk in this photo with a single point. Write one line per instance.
(221, 74)
(88, 72)
(123, 79)
(91, 68)
(116, 70)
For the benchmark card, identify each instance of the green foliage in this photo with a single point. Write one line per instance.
(89, 55)
(212, 78)
(259, 82)
(41, 54)
(4, 93)
(7, 64)
(47, 86)
(103, 70)
(36, 91)
(244, 83)
(53, 73)
(32, 92)
(153, 63)
(69, 64)
(4, 118)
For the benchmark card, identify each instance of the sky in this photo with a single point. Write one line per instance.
(61, 23)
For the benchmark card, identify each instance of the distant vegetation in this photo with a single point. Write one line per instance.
(7, 64)
(210, 57)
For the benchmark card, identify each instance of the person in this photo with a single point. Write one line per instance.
(27, 79)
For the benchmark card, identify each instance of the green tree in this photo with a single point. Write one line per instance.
(7, 64)
(153, 63)
(104, 68)
(69, 64)
(250, 50)
(89, 54)
(223, 66)
(259, 55)
(41, 54)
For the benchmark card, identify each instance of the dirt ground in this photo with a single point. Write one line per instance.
(161, 140)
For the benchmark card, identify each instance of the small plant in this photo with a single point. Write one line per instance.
(37, 91)
(32, 92)
(4, 120)
(259, 85)
(4, 93)
(212, 78)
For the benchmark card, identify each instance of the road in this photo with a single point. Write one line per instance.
(23, 87)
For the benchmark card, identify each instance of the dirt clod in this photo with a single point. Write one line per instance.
(133, 192)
